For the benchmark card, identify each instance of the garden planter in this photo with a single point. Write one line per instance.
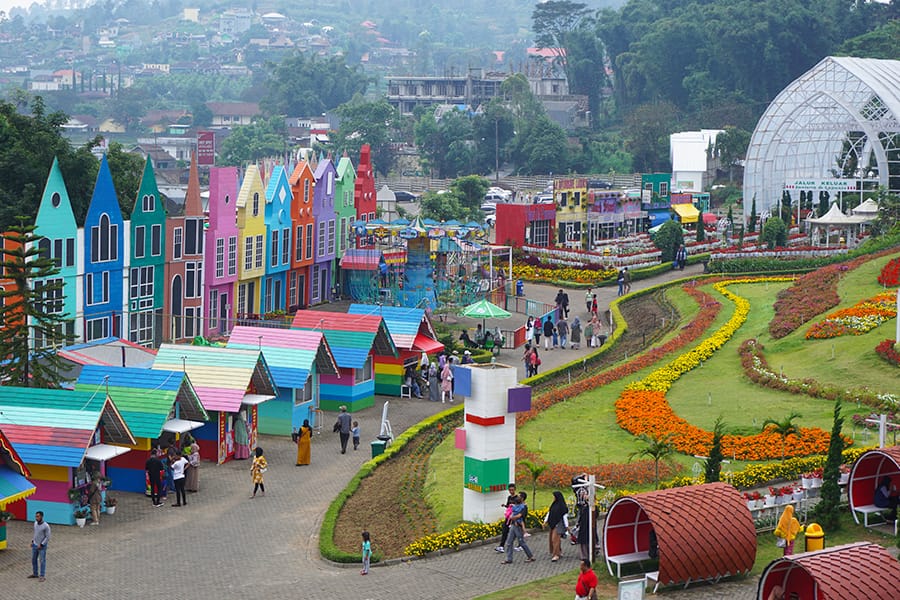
(110, 510)
(844, 479)
(815, 482)
(751, 504)
(769, 501)
(806, 482)
(80, 521)
(798, 496)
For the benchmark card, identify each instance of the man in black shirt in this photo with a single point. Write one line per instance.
(154, 468)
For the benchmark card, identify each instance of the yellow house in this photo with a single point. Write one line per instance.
(571, 212)
(111, 126)
(251, 212)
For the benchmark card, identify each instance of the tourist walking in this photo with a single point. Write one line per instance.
(586, 587)
(154, 468)
(95, 498)
(446, 384)
(517, 531)
(548, 333)
(563, 328)
(343, 426)
(304, 444)
(557, 520)
(535, 361)
(504, 528)
(355, 433)
(588, 300)
(620, 280)
(39, 543)
(529, 330)
(594, 306)
(576, 334)
(179, 465)
(627, 276)
(257, 471)
(681, 257)
(538, 330)
(434, 383)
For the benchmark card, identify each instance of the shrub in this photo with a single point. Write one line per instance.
(774, 233)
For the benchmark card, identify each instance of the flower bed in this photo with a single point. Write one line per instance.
(890, 273)
(642, 408)
(870, 421)
(551, 274)
(757, 370)
(862, 317)
(887, 351)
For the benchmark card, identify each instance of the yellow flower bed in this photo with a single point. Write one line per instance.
(573, 274)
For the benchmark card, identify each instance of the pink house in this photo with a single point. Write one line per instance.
(220, 260)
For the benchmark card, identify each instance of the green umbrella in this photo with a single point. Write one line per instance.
(484, 310)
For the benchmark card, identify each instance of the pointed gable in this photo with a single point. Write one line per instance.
(103, 259)
(55, 215)
(193, 204)
(148, 218)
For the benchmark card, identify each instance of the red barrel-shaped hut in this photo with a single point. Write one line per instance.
(703, 533)
(863, 571)
(867, 471)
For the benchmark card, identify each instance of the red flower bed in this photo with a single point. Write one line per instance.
(890, 273)
(886, 351)
(618, 475)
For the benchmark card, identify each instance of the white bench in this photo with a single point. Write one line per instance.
(868, 509)
(624, 559)
(405, 391)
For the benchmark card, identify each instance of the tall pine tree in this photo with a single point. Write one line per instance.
(828, 510)
(30, 302)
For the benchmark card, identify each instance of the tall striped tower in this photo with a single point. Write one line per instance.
(488, 436)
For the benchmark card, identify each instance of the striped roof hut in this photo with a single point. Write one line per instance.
(13, 483)
(296, 359)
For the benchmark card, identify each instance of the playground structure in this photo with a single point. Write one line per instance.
(422, 264)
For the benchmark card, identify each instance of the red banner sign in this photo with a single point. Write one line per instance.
(206, 148)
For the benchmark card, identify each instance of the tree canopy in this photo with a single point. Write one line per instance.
(372, 123)
(304, 85)
(262, 138)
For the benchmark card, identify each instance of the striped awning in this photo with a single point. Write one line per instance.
(13, 487)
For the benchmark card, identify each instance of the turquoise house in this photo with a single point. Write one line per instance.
(56, 223)
(278, 239)
(148, 258)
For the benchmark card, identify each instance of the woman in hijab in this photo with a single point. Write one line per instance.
(557, 520)
(434, 383)
(304, 437)
(446, 383)
(787, 529)
(575, 330)
(192, 479)
(241, 438)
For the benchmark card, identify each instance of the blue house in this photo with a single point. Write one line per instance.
(56, 223)
(325, 232)
(104, 261)
(278, 238)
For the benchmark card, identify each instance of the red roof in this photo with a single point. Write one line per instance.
(703, 531)
(862, 570)
(425, 344)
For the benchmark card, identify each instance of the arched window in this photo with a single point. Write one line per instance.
(255, 204)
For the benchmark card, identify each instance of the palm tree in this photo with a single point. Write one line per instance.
(784, 428)
(535, 470)
(657, 448)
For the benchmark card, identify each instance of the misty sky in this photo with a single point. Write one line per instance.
(7, 5)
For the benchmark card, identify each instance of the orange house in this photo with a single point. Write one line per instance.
(9, 291)
(302, 183)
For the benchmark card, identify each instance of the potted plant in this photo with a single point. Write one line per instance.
(844, 475)
(75, 495)
(81, 515)
(111, 503)
(6, 516)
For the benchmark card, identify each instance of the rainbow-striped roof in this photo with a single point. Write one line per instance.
(290, 353)
(13, 472)
(145, 397)
(221, 376)
(351, 337)
(56, 427)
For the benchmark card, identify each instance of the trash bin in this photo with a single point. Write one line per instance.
(378, 447)
(815, 537)
(520, 288)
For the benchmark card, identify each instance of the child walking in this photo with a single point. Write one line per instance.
(355, 432)
(366, 552)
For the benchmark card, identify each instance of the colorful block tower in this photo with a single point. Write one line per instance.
(488, 435)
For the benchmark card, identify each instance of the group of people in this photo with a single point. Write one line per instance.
(623, 279)
(175, 468)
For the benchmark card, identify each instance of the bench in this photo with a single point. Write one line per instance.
(868, 509)
(624, 559)
(405, 391)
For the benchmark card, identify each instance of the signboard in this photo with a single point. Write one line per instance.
(206, 148)
(828, 185)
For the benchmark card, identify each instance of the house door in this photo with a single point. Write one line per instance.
(301, 291)
(223, 313)
(176, 308)
(323, 284)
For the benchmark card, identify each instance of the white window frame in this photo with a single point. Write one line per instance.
(365, 373)
(248, 253)
(220, 258)
(177, 243)
(232, 255)
(260, 251)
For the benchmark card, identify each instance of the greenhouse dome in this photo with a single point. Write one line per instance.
(835, 130)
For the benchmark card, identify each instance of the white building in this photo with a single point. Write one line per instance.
(693, 162)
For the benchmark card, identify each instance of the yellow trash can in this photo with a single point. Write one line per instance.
(815, 537)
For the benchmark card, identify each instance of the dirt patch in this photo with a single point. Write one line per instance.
(390, 503)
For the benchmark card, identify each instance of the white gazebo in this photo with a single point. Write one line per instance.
(835, 222)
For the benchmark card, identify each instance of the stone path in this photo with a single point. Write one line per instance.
(223, 545)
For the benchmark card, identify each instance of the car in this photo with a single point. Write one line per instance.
(543, 199)
(599, 184)
(404, 196)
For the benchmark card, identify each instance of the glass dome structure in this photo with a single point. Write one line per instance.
(836, 127)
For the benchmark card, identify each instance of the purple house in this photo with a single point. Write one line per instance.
(325, 232)
(220, 261)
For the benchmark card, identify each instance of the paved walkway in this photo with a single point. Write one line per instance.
(223, 545)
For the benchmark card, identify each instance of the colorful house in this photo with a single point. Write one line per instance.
(278, 238)
(184, 265)
(296, 359)
(65, 438)
(412, 334)
(526, 224)
(251, 222)
(153, 403)
(571, 201)
(655, 197)
(14, 485)
(148, 260)
(364, 197)
(56, 223)
(105, 259)
(345, 212)
(355, 340)
(220, 266)
(326, 233)
(302, 183)
(231, 384)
